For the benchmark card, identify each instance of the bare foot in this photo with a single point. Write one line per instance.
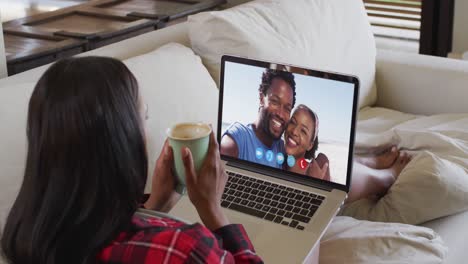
(400, 163)
(386, 177)
(382, 161)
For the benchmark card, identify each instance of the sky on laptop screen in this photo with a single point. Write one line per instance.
(300, 133)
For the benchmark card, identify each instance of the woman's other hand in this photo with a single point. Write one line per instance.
(163, 195)
(206, 187)
(315, 170)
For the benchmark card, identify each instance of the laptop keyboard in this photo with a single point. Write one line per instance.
(273, 202)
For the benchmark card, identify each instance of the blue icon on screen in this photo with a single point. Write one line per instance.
(291, 161)
(280, 158)
(259, 153)
(269, 155)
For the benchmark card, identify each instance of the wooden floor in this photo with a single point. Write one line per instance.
(13, 9)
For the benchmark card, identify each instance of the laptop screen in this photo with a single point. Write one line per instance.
(288, 118)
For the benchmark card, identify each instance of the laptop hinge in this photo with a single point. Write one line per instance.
(281, 176)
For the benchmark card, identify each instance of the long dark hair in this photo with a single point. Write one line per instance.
(86, 165)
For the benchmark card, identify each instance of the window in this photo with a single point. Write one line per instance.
(423, 26)
(396, 23)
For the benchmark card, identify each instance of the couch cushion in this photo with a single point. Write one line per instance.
(177, 87)
(348, 240)
(330, 35)
(14, 101)
(453, 230)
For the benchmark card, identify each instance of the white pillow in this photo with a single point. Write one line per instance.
(332, 35)
(14, 100)
(348, 240)
(177, 88)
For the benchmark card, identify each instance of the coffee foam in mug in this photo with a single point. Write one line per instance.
(189, 131)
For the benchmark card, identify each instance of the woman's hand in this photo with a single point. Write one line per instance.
(314, 170)
(206, 187)
(163, 195)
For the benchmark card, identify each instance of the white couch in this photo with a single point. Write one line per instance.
(409, 83)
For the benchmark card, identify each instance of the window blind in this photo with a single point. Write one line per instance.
(395, 18)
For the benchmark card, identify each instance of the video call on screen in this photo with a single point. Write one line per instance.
(287, 119)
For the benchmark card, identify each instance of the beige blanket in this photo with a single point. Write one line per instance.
(435, 183)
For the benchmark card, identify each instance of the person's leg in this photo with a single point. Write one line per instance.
(381, 161)
(368, 182)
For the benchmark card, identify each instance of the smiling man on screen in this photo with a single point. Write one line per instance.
(261, 141)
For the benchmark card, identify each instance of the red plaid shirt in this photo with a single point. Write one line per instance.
(164, 240)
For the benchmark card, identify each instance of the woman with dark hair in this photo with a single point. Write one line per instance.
(301, 141)
(86, 170)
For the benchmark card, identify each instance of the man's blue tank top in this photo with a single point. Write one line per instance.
(251, 148)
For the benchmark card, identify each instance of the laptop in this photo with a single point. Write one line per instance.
(278, 127)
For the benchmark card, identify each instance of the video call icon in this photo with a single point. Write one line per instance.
(303, 163)
(291, 161)
(269, 155)
(259, 153)
(280, 158)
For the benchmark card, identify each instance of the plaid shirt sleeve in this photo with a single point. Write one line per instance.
(234, 239)
(164, 240)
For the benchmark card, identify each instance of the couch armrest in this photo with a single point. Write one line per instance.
(420, 84)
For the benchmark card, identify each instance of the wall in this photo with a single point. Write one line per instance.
(3, 68)
(460, 28)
